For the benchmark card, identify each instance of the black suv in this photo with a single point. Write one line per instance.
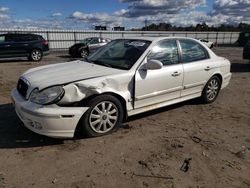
(246, 51)
(23, 45)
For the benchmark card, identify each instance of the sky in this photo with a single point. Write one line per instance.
(85, 14)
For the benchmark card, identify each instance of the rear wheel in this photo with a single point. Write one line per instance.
(103, 117)
(211, 90)
(36, 55)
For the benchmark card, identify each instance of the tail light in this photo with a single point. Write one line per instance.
(45, 42)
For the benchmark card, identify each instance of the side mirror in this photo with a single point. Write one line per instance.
(153, 65)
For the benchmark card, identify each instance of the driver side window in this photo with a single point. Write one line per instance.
(94, 41)
(166, 52)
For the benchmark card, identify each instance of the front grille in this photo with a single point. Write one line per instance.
(22, 87)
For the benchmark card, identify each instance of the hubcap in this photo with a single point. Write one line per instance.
(36, 55)
(103, 117)
(84, 53)
(212, 89)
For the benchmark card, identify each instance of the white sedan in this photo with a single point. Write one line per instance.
(126, 77)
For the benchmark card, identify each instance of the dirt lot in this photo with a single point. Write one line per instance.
(147, 151)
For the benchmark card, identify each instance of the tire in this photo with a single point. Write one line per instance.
(83, 53)
(105, 111)
(36, 55)
(211, 90)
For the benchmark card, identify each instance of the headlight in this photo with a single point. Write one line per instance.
(47, 96)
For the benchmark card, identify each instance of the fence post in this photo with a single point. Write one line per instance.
(216, 39)
(48, 39)
(231, 36)
(75, 37)
(224, 38)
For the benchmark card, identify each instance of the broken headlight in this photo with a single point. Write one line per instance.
(47, 96)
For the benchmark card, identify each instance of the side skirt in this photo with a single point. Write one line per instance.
(163, 104)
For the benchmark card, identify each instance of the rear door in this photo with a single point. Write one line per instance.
(20, 44)
(197, 65)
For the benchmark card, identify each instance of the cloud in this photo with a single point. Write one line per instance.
(3, 13)
(4, 9)
(236, 9)
(138, 8)
(57, 14)
(96, 18)
(4, 17)
(34, 24)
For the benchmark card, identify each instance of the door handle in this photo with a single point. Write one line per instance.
(176, 73)
(26, 44)
(7, 45)
(207, 68)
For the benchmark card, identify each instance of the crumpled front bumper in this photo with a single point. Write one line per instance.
(52, 120)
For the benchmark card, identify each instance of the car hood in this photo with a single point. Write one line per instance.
(63, 73)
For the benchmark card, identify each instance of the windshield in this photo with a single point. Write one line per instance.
(86, 41)
(120, 53)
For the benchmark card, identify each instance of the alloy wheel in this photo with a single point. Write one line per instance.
(103, 117)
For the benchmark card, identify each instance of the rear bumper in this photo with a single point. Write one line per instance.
(52, 121)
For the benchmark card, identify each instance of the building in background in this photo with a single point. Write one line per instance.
(100, 27)
(118, 29)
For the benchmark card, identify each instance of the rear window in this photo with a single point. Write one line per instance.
(192, 51)
(30, 38)
(2, 38)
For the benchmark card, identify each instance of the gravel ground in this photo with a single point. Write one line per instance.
(147, 151)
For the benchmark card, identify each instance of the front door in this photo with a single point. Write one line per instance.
(156, 86)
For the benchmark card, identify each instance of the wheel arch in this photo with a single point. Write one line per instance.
(219, 76)
(35, 48)
(215, 74)
(119, 97)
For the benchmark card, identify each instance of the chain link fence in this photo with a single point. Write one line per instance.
(63, 39)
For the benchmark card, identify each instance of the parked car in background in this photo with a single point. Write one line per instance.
(32, 46)
(246, 51)
(209, 44)
(126, 77)
(87, 46)
(243, 38)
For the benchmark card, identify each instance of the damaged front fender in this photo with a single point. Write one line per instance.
(76, 92)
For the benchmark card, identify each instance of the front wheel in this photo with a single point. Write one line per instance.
(211, 90)
(103, 117)
(84, 53)
(36, 55)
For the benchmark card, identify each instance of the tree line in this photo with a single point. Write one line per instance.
(241, 27)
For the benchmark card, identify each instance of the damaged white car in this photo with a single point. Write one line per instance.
(124, 78)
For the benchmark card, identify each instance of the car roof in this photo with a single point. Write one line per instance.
(156, 38)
